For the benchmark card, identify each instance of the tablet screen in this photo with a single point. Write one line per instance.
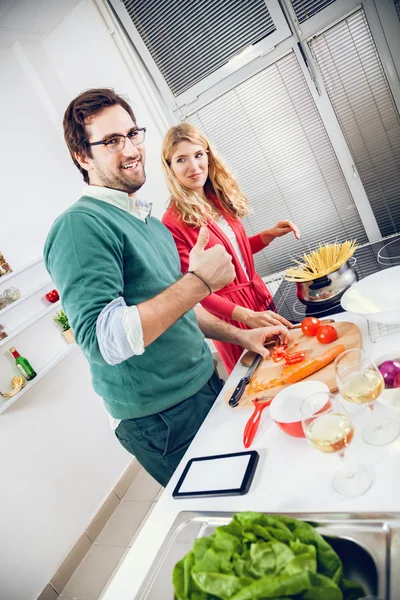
(227, 474)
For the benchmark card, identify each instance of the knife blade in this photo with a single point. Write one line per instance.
(237, 394)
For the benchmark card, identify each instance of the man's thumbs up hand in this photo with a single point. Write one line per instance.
(214, 265)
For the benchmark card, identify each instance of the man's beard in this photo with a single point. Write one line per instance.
(118, 182)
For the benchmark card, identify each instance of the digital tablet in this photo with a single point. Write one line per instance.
(219, 475)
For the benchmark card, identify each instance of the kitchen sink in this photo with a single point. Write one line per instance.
(368, 545)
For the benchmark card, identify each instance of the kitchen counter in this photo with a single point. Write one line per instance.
(291, 476)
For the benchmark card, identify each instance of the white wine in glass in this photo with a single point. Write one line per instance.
(362, 387)
(328, 428)
(360, 381)
(331, 432)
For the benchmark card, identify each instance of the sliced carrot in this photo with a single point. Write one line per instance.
(294, 373)
(255, 386)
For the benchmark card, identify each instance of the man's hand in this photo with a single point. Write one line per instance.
(254, 339)
(213, 265)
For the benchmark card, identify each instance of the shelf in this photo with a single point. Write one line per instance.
(7, 402)
(18, 271)
(25, 297)
(29, 322)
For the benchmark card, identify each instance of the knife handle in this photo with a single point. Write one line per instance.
(238, 393)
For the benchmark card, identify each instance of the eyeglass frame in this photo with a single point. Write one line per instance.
(105, 142)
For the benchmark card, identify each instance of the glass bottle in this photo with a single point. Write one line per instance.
(3, 302)
(12, 294)
(2, 332)
(23, 365)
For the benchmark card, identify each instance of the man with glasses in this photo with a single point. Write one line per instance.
(118, 274)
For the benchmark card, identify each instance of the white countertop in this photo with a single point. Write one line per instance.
(291, 476)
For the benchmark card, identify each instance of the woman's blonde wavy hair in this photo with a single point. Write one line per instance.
(192, 207)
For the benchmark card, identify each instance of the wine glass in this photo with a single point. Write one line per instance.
(360, 381)
(328, 428)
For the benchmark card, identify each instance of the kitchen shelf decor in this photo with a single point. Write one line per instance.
(62, 319)
(7, 402)
(4, 266)
(29, 322)
(23, 297)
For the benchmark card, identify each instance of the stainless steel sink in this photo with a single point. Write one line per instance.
(368, 545)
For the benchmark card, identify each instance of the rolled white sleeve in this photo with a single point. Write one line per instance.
(133, 329)
(119, 332)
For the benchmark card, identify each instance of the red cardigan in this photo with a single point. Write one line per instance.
(252, 292)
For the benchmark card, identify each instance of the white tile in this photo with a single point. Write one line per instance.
(49, 593)
(123, 523)
(93, 573)
(159, 493)
(71, 563)
(103, 515)
(143, 522)
(143, 489)
(121, 560)
(132, 471)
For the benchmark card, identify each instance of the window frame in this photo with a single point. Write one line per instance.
(282, 32)
(385, 27)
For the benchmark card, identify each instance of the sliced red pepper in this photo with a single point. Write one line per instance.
(294, 361)
(279, 353)
(294, 357)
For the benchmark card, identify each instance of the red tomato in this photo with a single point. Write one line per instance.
(52, 296)
(326, 334)
(309, 326)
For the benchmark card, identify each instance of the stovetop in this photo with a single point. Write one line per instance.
(366, 260)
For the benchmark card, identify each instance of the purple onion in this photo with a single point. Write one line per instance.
(389, 369)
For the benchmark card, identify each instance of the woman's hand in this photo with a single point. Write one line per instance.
(254, 319)
(254, 339)
(280, 229)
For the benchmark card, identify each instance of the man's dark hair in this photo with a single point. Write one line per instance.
(88, 104)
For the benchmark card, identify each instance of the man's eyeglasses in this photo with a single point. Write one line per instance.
(117, 142)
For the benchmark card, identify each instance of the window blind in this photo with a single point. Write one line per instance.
(304, 9)
(190, 40)
(359, 92)
(397, 6)
(269, 131)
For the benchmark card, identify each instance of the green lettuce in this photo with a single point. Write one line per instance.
(263, 557)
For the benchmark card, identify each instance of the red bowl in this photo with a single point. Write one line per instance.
(285, 407)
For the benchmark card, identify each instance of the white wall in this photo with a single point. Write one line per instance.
(94, 61)
(59, 458)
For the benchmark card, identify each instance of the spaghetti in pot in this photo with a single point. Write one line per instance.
(322, 261)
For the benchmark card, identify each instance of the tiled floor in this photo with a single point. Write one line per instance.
(114, 540)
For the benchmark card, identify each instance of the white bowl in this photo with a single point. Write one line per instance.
(285, 407)
(390, 396)
(376, 297)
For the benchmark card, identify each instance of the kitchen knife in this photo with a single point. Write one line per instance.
(323, 322)
(237, 394)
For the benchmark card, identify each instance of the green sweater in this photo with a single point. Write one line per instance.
(96, 252)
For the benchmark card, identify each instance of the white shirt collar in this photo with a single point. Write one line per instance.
(134, 206)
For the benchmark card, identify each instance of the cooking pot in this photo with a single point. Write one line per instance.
(327, 289)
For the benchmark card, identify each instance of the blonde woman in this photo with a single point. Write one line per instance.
(205, 193)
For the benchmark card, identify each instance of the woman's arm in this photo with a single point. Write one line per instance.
(280, 229)
(215, 329)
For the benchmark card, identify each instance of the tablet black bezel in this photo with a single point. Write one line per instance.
(243, 489)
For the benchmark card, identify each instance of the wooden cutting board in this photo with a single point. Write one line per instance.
(348, 335)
